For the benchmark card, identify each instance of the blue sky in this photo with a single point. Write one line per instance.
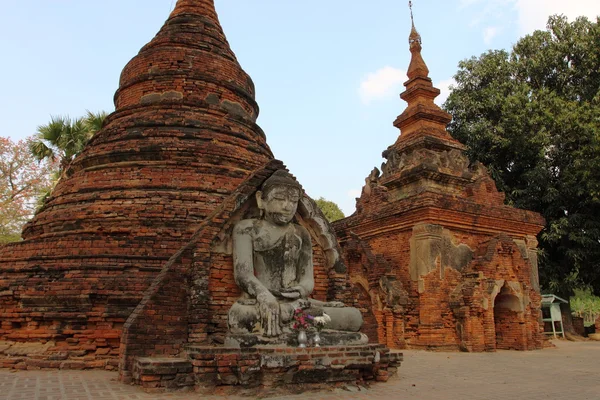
(327, 73)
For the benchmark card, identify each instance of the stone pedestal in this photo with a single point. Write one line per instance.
(328, 338)
(206, 367)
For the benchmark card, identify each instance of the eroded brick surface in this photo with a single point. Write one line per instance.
(182, 139)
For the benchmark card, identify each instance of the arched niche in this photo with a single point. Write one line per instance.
(508, 319)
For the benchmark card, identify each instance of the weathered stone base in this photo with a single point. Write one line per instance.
(207, 368)
(328, 338)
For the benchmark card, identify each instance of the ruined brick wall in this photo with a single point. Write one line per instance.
(437, 323)
(159, 325)
(321, 273)
(509, 329)
(365, 305)
(432, 317)
(223, 292)
(80, 309)
(376, 292)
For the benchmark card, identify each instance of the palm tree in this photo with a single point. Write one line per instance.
(64, 138)
(95, 121)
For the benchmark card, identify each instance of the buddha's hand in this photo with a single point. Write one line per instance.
(291, 293)
(269, 314)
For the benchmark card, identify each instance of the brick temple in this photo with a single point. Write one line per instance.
(129, 262)
(437, 260)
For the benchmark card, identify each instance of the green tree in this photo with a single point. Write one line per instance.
(63, 138)
(22, 180)
(94, 121)
(586, 306)
(331, 210)
(532, 116)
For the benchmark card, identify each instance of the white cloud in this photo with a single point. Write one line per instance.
(444, 87)
(489, 34)
(486, 11)
(533, 14)
(381, 84)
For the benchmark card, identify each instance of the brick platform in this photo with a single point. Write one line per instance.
(208, 367)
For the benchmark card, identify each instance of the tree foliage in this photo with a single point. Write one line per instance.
(331, 210)
(586, 306)
(22, 180)
(533, 117)
(63, 138)
(29, 169)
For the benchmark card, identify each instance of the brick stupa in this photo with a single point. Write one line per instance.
(440, 261)
(183, 137)
(129, 264)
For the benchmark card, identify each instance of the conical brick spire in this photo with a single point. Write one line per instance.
(422, 117)
(417, 66)
(184, 123)
(190, 62)
(182, 138)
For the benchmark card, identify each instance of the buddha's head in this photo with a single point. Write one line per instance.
(278, 198)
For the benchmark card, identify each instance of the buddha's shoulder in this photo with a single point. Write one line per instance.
(246, 226)
(300, 230)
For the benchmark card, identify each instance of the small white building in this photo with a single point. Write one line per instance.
(551, 313)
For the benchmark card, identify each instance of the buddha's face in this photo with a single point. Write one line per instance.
(279, 204)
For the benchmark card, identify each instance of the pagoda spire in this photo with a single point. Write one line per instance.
(417, 67)
(422, 117)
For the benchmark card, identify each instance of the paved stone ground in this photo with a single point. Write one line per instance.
(569, 371)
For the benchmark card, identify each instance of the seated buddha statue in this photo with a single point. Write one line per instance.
(272, 261)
